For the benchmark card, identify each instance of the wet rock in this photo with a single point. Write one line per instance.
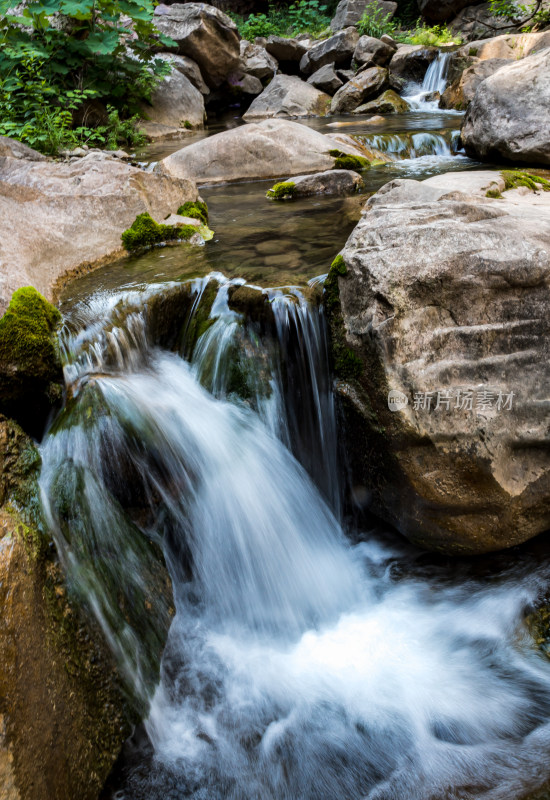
(373, 52)
(325, 79)
(67, 217)
(441, 297)
(203, 33)
(251, 302)
(337, 50)
(509, 117)
(442, 10)
(288, 96)
(365, 85)
(256, 61)
(330, 182)
(287, 52)
(61, 697)
(244, 85)
(411, 62)
(31, 377)
(388, 103)
(176, 103)
(460, 93)
(349, 12)
(266, 149)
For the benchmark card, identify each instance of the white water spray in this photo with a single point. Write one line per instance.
(299, 667)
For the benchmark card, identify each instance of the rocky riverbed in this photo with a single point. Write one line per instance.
(399, 193)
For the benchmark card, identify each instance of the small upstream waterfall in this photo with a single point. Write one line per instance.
(407, 146)
(435, 80)
(298, 666)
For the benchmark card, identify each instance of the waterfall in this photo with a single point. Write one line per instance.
(435, 81)
(298, 666)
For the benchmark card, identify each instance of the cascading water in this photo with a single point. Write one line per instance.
(435, 81)
(298, 666)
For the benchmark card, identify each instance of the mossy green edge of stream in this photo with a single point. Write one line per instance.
(26, 332)
(145, 232)
(281, 191)
(196, 210)
(349, 161)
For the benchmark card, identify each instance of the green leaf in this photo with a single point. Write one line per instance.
(103, 43)
(79, 9)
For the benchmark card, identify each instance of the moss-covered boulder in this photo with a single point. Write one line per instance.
(64, 712)
(31, 377)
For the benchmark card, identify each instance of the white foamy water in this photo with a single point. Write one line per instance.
(435, 80)
(298, 666)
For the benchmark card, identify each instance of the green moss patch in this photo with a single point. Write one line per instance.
(145, 232)
(347, 161)
(515, 178)
(282, 191)
(31, 376)
(494, 193)
(347, 365)
(196, 210)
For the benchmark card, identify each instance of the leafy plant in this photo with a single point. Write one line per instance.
(303, 16)
(530, 17)
(56, 55)
(431, 37)
(375, 23)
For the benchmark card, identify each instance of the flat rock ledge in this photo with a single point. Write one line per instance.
(439, 317)
(64, 218)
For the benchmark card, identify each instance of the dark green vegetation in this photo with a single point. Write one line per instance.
(145, 232)
(347, 365)
(346, 161)
(196, 210)
(303, 16)
(531, 16)
(281, 191)
(70, 73)
(376, 23)
(31, 377)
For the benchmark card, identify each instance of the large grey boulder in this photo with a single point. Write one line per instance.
(203, 33)
(512, 46)
(176, 103)
(442, 10)
(288, 96)
(441, 298)
(337, 50)
(509, 117)
(325, 79)
(365, 85)
(267, 149)
(64, 217)
(256, 61)
(11, 148)
(461, 92)
(189, 68)
(372, 52)
(411, 61)
(349, 12)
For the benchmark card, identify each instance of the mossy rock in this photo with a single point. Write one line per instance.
(145, 233)
(346, 161)
(31, 376)
(282, 191)
(515, 178)
(196, 210)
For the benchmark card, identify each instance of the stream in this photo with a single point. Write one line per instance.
(307, 659)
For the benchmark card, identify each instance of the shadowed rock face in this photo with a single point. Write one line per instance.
(509, 116)
(462, 91)
(444, 293)
(349, 12)
(442, 10)
(203, 33)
